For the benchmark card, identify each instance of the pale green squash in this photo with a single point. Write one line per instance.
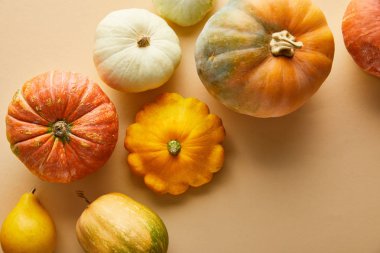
(183, 12)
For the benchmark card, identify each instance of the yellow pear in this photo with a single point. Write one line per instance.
(28, 228)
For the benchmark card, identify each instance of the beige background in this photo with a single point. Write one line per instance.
(305, 183)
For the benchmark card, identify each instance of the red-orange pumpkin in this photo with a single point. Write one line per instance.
(361, 33)
(62, 126)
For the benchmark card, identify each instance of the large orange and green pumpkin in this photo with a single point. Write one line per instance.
(265, 58)
(62, 126)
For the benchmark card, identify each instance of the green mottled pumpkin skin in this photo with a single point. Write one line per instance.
(115, 223)
(235, 62)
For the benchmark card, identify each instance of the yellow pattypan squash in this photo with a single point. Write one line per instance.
(175, 143)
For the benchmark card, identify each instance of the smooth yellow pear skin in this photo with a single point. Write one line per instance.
(28, 228)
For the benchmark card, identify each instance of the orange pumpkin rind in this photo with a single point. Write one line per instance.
(361, 34)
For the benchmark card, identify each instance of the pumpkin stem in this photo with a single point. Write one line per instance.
(144, 41)
(284, 44)
(174, 147)
(61, 130)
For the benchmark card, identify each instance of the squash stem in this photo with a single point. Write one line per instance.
(174, 147)
(144, 41)
(284, 44)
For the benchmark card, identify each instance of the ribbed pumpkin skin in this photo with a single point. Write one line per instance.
(361, 32)
(62, 96)
(124, 62)
(116, 223)
(235, 63)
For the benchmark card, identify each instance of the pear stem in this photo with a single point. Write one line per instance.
(80, 194)
(33, 190)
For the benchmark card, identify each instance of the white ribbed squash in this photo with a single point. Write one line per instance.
(135, 50)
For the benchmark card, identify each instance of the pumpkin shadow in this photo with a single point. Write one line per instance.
(368, 89)
(273, 143)
(188, 31)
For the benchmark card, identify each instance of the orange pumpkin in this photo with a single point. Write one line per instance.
(175, 143)
(265, 58)
(62, 126)
(361, 32)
